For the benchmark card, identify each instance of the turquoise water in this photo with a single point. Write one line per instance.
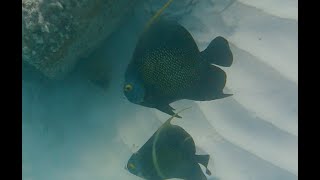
(74, 130)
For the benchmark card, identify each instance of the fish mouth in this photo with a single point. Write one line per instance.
(140, 101)
(135, 100)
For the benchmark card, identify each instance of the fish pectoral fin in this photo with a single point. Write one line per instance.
(168, 110)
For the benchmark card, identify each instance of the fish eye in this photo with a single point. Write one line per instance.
(131, 166)
(128, 87)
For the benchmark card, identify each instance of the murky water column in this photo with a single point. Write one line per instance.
(75, 130)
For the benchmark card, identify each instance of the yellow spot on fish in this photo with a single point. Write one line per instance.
(131, 166)
(128, 87)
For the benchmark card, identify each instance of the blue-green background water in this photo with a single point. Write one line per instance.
(74, 130)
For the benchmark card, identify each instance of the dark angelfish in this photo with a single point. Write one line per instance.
(169, 153)
(167, 66)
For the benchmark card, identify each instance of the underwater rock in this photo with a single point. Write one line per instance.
(57, 33)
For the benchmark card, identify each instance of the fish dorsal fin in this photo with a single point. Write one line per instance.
(156, 16)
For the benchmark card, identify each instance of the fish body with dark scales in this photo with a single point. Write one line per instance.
(169, 77)
(167, 66)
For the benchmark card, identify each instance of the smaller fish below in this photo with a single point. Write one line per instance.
(167, 66)
(169, 153)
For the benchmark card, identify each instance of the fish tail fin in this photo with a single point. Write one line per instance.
(158, 13)
(218, 52)
(204, 160)
(176, 115)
